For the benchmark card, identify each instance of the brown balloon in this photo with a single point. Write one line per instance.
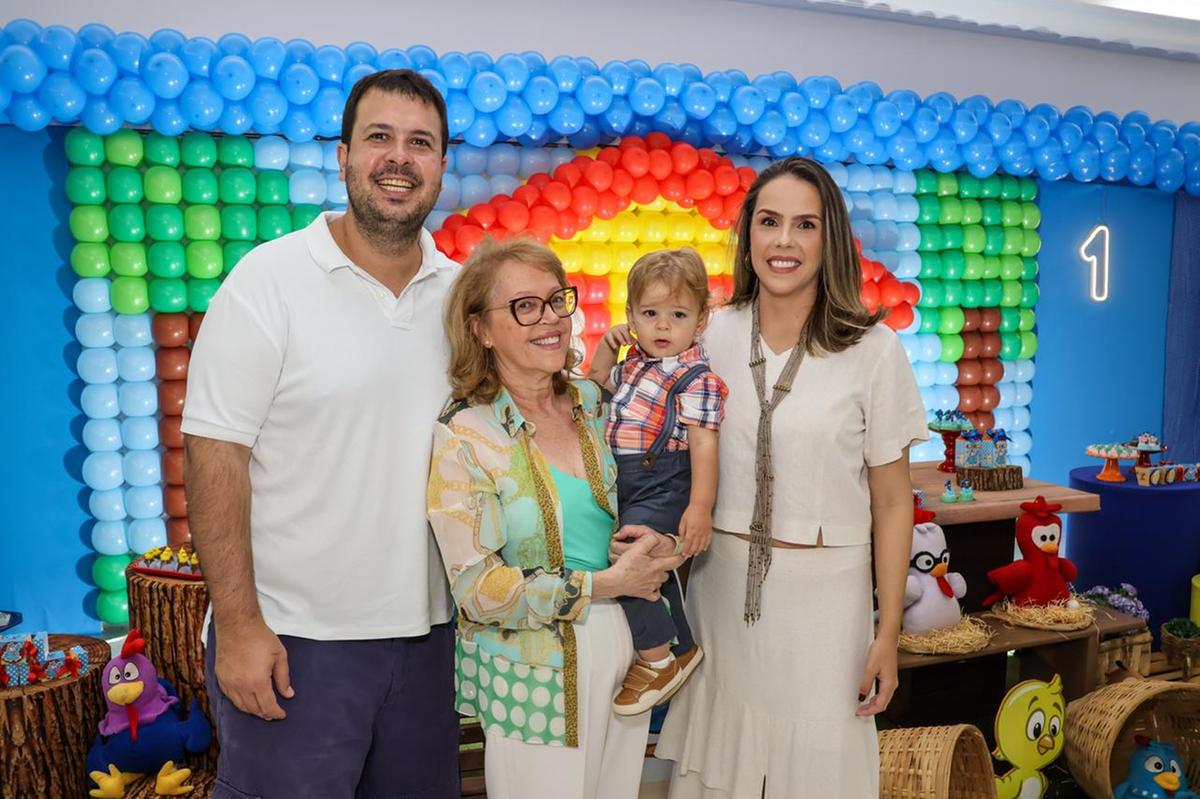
(178, 532)
(172, 363)
(170, 397)
(195, 319)
(968, 398)
(969, 373)
(989, 320)
(971, 319)
(175, 502)
(992, 372)
(173, 466)
(989, 345)
(983, 420)
(989, 398)
(972, 342)
(169, 434)
(170, 329)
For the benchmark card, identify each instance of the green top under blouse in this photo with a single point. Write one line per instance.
(587, 529)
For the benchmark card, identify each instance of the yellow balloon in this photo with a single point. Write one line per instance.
(681, 229)
(624, 256)
(707, 234)
(599, 230)
(657, 204)
(624, 227)
(597, 259)
(714, 259)
(618, 313)
(652, 228)
(571, 255)
(618, 290)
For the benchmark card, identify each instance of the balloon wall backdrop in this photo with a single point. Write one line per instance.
(186, 153)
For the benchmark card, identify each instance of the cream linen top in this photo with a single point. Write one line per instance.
(846, 411)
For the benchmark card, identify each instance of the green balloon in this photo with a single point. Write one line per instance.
(124, 185)
(204, 260)
(168, 295)
(1027, 320)
(1029, 270)
(1010, 267)
(167, 259)
(974, 238)
(234, 251)
(952, 237)
(90, 259)
(971, 266)
(968, 185)
(84, 148)
(163, 150)
(1010, 188)
(952, 348)
(239, 223)
(931, 238)
(88, 223)
(994, 240)
(198, 149)
(1029, 294)
(1028, 190)
(129, 258)
(199, 186)
(129, 295)
(1031, 216)
(163, 185)
(1010, 213)
(1028, 345)
(237, 185)
(1010, 346)
(972, 296)
(931, 265)
(931, 319)
(990, 212)
(127, 223)
(927, 182)
(124, 148)
(991, 267)
(952, 292)
(113, 608)
(273, 222)
(931, 294)
(1010, 293)
(947, 185)
(235, 151)
(304, 215)
(1014, 241)
(954, 264)
(272, 187)
(993, 289)
(108, 572)
(950, 320)
(85, 186)
(951, 211)
(972, 212)
(200, 293)
(164, 222)
(1032, 245)
(990, 186)
(202, 223)
(1009, 320)
(929, 209)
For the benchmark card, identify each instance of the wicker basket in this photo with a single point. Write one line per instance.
(935, 763)
(1129, 651)
(1100, 728)
(1183, 653)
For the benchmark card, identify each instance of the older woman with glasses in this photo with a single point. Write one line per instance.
(522, 499)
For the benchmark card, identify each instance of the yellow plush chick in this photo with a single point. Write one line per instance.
(1029, 734)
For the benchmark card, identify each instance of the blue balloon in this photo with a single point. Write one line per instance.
(165, 75)
(567, 117)
(1163, 135)
(486, 91)
(979, 150)
(267, 56)
(503, 159)
(1142, 165)
(234, 77)
(815, 131)
(594, 95)
(144, 502)
(199, 54)
(306, 186)
(1080, 116)
(168, 40)
(168, 118)
(330, 63)
(128, 50)
(94, 34)
(648, 97)
(748, 104)
(789, 145)
(474, 189)
(670, 119)
(640, 68)
(97, 365)
(964, 124)
(515, 72)
(268, 106)
(770, 129)
(1069, 136)
(141, 467)
(234, 44)
(586, 138)
(999, 127)
(619, 76)
(393, 59)
(361, 53)
(925, 124)
(721, 85)
(514, 117)
(202, 105)
(1169, 172)
(1084, 163)
(1036, 130)
(95, 329)
(859, 138)
(1133, 134)
(587, 66)
(617, 119)
(326, 111)
(139, 432)
(671, 78)
(470, 160)
(95, 71)
(298, 126)
(135, 363)
(794, 108)
(133, 330)
(864, 94)
(541, 95)
(943, 105)
(138, 399)
(818, 90)
(132, 100)
(55, 46)
(146, 534)
(449, 198)
(100, 400)
(565, 72)
(21, 31)
(356, 73)
(539, 133)
(20, 69)
(102, 471)
(422, 57)
(107, 506)
(885, 118)
(62, 97)
(90, 295)
(902, 144)
(235, 119)
(832, 150)
(456, 68)
(108, 538)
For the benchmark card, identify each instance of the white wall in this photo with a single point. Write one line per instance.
(714, 34)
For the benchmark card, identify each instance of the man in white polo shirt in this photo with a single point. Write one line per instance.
(312, 393)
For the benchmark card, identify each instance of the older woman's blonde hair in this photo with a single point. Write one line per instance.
(473, 375)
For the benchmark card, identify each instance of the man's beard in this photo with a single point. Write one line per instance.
(388, 234)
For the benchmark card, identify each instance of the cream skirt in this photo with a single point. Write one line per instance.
(776, 701)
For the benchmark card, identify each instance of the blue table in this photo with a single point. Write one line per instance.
(1145, 535)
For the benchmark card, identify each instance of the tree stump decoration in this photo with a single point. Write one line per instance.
(998, 478)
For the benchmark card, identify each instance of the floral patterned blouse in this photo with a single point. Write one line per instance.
(497, 518)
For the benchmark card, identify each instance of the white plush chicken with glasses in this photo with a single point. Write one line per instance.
(932, 591)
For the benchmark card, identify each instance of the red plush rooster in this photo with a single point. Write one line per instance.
(1041, 576)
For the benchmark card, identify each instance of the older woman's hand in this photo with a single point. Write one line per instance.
(637, 572)
(624, 538)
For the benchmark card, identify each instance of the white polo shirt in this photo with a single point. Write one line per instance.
(335, 384)
(846, 411)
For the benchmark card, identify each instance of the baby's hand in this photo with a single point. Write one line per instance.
(695, 528)
(618, 337)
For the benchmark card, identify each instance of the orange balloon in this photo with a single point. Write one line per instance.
(971, 317)
(194, 322)
(972, 343)
(969, 373)
(178, 532)
(969, 398)
(171, 363)
(990, 346)
(175, 502)
(993, 372)
(172, 467)
(170, 329)
(989, 319)
(989, 398)
(983, 420)
(169, 434)
(170, 397)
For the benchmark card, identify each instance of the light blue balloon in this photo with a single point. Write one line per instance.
(947, 373)
(90, 295)
(1003, 418)
(168, 119)
(165, 75)
(1008, 393)
(102, 471)
(908, 210)
(139, 432)
(929, 346)
(1023, 394)
(138, 399)
(436, 219)
(95, 71)
(108, 506)
(305, 154)
(1020, 444)
(147, 534)
(135, 364)
(234, 77)
(858, 178)
(108, 538)
(503, 159)
(102, 435)
(95, 329)
(474, 189)
(144, 502)
(947, 398)
(202, 105)
(356, 73)
(909, 234)
(97, 365)
(330, 159)
(422, 56)
(436, 79)
(909, 265)
(886, 236)
(533, 161)
(361, 53)
(133, 330)
(449, 198)
(504, 184)
(306, 186)
(1024, 370)
(1021, 418)
(925, 372)
(271, 152)
(335, 191)
(141, 467)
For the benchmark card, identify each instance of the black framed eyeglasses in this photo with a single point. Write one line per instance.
(528, 311)
(926, 562)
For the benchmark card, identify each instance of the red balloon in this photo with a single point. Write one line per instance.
(645, 190)
(972, 343)
(891, 292)
(912, 293)
(172, 466)
(175, 502)
(746, 175)
(568, 225)
(983, 420)
(635, 161)
(657, 140)
(454, 222)
(569, 174)
(631, 142)
(178, 532)
(584, 200)
(171, 394)
(989, 320)
(482, 215)
(970, 319)
(725, 180)
(879, 272)
(989, 398)
(870, 296)
(699, 184)
(527, 194)
(684, 157)
(444, 240)
(969, 372)
(990, 346)
(969, 398)
(194, 322)
(992, 371)
(900, 316)
(661, 164)
(622, 183)
(733, 204)
(557, 195)
(673, 187)
(467, 237)
(171, 363)
(708, 159)
(599, 174)
(608, 206)
(609, 155)
(170, 329)
(543, 218)
(711, 207)
(538, 180)
(169, 434)
(596, 319)
(514, 215)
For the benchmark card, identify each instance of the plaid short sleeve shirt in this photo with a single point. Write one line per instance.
(638, 409)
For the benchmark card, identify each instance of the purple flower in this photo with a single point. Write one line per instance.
(1128, 589)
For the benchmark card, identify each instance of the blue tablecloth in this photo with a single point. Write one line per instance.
(1148, 536)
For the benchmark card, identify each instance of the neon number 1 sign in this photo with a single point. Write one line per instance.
(1095, 252)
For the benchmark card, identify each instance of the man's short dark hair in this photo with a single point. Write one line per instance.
(404, 82)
